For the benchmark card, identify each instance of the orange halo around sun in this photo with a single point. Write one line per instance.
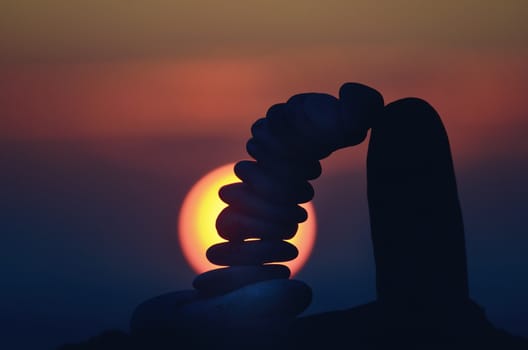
(201, 206)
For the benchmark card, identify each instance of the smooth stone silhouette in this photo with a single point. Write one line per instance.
(254, 316)
(416, 221)
(242, 198)
(360, 106)
(251, 252)
(291, 191)
(252, 306)
(262, 133)
(269, 146)
(315, 125)
(286, 121)
(281, 123)
(220, 281)
(282, 167)
(233, 225)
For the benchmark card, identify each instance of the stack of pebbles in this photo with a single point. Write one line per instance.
(263, 209)
(252, 294)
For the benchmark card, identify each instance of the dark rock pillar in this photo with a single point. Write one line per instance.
(416, 221)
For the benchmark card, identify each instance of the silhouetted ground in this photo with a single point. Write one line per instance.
(357, 328)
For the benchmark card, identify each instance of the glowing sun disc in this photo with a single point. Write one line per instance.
(201, 206)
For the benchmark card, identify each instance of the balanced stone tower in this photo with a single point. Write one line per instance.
(263, 210)
(251, 294)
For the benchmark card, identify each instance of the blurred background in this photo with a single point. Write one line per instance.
(111, 110)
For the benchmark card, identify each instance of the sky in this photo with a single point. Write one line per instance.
(111, 110)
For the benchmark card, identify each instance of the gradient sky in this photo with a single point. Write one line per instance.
(110, 110)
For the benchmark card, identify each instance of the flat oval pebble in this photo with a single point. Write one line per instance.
(317, 124)
(256, 252)
(282, 125)
(261, 305)
(289, 124)
(220, 281)
(242, 197)
(279, 190)
(233, 225)
(295, 167)
(262, 133)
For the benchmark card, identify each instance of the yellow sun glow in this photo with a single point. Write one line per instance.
(201, 206)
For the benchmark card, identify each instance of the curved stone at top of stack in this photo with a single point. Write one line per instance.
(310, 126)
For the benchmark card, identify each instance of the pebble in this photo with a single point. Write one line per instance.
(233, 225)
(255, 252)
(360, 107)
(240, 196)
(223, 280)
(264, 304)
(318, 129)
(283, 167)
(292, 191)
(262, 133)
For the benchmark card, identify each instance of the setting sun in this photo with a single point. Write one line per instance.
(198, 215)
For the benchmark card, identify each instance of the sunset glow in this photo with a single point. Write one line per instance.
(198, 215)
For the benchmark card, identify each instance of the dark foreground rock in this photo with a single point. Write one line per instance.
(363, 327)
